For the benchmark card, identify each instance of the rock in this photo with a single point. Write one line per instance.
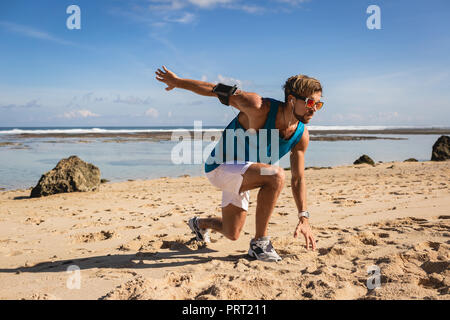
(411, 160)
(104, 180)
(441, 149)
(3, 144)
(364, 159)
(69, 175)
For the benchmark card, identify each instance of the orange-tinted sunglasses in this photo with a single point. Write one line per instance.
(309, 102)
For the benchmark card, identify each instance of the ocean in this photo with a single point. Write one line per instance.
(27, 153)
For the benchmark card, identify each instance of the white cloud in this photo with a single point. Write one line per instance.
(209, 3)
(167, 5)
(229, 81)
(159, 24)
(159, 14)
(81, 99)
(242, 84)
(176, 5)
(90, 97)
(348, 117)
(133, 100)
(385, 116)
(181, 4)
(30, 104)
(152, 112)
(381, 117)
(293, 2)
(186, 18)
(32, 33)
(252, 9)
(164, 41)
(395, 98)
(79, 114)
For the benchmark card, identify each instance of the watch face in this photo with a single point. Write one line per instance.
(304, 214)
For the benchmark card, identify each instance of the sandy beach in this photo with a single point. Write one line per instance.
(130, 240)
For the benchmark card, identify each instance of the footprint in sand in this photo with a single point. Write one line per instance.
(36, 221)
(180, 244)
(93, 237)
(14, 253)
(162, 235)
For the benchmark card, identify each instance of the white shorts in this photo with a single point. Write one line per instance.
(228, 177)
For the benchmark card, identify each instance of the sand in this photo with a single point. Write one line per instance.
(130, 240)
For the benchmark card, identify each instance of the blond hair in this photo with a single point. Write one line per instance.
(301, 85)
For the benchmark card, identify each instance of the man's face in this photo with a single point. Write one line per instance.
(301, 111)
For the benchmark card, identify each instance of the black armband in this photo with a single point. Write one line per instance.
(224, 92)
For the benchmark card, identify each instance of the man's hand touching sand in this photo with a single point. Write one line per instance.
(168, 77)
(304, 228)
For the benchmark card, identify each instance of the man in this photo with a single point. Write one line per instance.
(236, 178)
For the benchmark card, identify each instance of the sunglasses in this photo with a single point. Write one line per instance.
(309, 102)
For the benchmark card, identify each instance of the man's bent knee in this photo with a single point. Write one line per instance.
(277, 179)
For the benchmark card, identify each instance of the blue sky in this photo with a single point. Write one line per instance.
(103, 74)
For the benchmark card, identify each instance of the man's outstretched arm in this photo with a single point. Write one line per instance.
(247, 102)
(173, 81)
(298, 186)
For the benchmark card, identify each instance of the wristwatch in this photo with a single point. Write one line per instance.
(303, 214)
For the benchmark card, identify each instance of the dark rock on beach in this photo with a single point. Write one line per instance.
(441, 149)
(69, 175)
(411, 160)
(364, 159)
(14, 145)
(3, 144)
(104, 180)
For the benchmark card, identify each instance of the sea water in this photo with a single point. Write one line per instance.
(22, 166)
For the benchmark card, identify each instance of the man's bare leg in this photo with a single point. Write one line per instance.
(270, 189)
(233, 218)
(231, 223)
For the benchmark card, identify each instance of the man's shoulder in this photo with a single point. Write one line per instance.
(267, 104)
(265, 107)
(271, 100)
(303, 142)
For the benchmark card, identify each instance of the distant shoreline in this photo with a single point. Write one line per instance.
(318, 135)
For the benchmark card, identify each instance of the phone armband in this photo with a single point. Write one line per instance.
(224, 92)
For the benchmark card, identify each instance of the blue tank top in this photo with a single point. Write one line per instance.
(252, 143)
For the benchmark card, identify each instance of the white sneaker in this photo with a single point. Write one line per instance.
(200, 234)
(262, 249)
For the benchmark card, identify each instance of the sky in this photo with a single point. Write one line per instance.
(103, 73)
